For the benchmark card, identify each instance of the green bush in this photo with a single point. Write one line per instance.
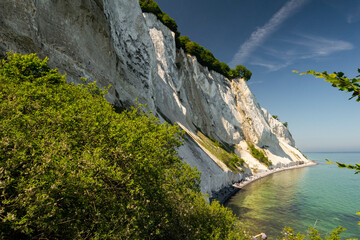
(289, 234)
(194, 49)
(259, 155)
(183, 40)
(73, 168)
(152, 7)
(242, 72)
(204, 56)
(169, 22)
(235, 161)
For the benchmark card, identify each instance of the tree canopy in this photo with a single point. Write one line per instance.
(206, 58)
(243, 72)
(73, 168)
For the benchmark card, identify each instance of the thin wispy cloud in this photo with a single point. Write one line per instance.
(259, 36)
(316, 46)
(299, 48)
(354, 15)
(271, 66)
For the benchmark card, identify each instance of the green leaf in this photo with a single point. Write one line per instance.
(328, 161)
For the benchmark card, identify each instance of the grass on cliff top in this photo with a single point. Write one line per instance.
(231, 160)
(259, 155)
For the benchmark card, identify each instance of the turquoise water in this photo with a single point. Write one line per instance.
(324, 196)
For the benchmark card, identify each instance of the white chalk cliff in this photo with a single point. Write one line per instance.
(113, 42)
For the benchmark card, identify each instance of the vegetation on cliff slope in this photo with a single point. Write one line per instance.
(204, 56)
(231, 160)
(259, 155)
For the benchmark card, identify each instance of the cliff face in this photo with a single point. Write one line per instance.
(113, 42)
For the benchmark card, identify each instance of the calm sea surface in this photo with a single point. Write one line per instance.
(324, 196)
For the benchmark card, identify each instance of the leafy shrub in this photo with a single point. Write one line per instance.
(235, 161)
(194, 49)
(242, 72)
(259, 155)
(73, 168)
(183, 40)
(289, 234)
(151, 6)
(169, 22)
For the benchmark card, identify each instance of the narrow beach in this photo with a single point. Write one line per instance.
(224, 194)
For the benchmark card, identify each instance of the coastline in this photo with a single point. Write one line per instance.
(225, 193)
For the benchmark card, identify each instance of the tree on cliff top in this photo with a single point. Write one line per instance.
(73, 168)
(152, 7)
(242, 72)
(204, 56)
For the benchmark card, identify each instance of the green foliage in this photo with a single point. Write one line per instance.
(231, 160)
(183, 40)
(242, 72)
(289, 234)
(340, 81)
(204, 56)
(276, 117)
(194, 49)
(152, 7)
(225, 69)
(207, 59)
(259, 155)
(73, 168)
(355, 167)
(285, 124)
(169, 22)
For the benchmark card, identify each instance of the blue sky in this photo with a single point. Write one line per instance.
(274, 37)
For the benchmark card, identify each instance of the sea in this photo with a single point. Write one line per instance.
(322, 196)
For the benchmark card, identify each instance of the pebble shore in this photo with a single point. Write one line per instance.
(225, 193)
